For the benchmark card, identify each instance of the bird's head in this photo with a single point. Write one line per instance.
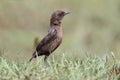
(57, 16)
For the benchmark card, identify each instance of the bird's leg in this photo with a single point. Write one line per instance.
(45, 59)
(46, 56)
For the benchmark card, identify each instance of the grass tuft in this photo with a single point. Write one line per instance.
(90, 68)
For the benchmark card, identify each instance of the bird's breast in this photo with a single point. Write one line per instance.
(57, 41)
(59, 32)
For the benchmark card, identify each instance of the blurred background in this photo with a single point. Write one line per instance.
(93, 26)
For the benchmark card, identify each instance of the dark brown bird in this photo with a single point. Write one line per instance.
(54, 37)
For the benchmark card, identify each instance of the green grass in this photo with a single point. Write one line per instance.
(63, 68)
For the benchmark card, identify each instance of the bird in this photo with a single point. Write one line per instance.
(53, 38)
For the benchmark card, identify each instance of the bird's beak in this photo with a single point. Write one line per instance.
(66, 13)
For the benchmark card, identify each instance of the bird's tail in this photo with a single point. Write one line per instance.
(33, 56)
(31, 59)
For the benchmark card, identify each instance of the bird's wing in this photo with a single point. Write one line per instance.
(47, 39)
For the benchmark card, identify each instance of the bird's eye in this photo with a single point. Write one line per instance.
(61, 14)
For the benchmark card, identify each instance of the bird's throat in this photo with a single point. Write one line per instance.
(55, 22)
